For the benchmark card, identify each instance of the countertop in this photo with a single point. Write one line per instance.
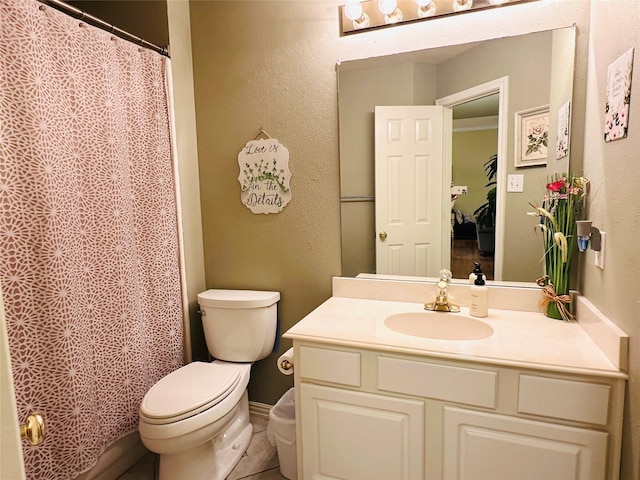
(521, 338)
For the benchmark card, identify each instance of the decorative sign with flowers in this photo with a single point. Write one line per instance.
(264, 175)
(562, 205)
(616, 115)
(531, 136)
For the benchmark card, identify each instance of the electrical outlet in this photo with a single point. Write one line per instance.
(515, 183)
(599, 258)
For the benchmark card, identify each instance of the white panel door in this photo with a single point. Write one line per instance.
(409, 190)
(360, 436)
(485, 446)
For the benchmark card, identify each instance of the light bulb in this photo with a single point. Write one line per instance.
(387, 6)
(461, 5)
(426, 8)
(392, 14)
(353, 9)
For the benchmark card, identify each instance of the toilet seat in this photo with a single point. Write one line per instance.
(189, 391)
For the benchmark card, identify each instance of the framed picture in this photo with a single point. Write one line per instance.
(531, 136)
(564, 127)
(618, 100)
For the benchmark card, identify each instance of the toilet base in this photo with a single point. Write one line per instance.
(215, 459)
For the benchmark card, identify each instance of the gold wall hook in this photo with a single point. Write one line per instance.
(34, 430)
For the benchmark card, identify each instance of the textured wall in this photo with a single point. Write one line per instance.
(614, 170)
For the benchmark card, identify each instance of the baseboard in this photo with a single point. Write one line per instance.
(259, 409)
(117, 458)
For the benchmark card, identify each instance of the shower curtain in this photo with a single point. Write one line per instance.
(89, 254)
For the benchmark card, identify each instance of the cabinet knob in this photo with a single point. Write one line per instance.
(34, 430)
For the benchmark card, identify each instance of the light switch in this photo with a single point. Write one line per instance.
(515, 183)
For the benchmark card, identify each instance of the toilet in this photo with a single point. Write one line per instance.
(197, 417)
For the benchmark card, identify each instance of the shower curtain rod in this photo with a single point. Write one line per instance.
(96, 22)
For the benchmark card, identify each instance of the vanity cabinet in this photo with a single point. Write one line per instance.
(488, 446)
(368, 414)
(358, 435)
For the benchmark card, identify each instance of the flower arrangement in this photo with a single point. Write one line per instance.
(562, 205)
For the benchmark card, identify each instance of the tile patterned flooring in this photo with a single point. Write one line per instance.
(260, 462)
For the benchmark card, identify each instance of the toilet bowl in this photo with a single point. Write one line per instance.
(197, 417)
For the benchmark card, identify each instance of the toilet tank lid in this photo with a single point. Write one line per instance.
(237, 298)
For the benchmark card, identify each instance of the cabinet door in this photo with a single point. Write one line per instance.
(484, 446)
(355, 435)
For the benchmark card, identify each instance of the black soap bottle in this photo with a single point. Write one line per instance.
(479, 298)
(474, 274)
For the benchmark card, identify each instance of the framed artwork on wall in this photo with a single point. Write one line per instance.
(564, 127)
(531, 136)
(616, 115)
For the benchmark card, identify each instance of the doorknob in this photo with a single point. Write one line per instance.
(34, 430)
(383, 236)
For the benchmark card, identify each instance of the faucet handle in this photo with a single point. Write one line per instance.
(445, 275)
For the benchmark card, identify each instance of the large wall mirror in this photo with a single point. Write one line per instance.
(487, 91)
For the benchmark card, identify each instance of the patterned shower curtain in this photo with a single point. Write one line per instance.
(89, 255)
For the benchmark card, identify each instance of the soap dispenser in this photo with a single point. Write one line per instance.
(473, 275)
(479, 298)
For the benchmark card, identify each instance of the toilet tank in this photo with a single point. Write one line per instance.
(239, 325)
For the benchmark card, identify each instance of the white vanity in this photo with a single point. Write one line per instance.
(538, 398)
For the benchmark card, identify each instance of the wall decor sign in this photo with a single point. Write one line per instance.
(531, 136)
(564, 125)
(264, 175)
(616, 114)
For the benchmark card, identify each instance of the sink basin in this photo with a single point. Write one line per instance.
(439, 326)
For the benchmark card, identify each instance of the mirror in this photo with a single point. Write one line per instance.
(538, 68)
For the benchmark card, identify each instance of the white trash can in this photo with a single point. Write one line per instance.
(281, 432)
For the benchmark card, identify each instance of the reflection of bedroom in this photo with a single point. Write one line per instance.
(473, 145)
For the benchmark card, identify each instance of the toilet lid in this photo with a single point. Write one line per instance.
(188, 391)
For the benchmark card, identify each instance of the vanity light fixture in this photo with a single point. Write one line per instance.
(358, 16)
(588, 235)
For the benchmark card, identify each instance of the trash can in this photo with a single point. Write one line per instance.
(281, 432)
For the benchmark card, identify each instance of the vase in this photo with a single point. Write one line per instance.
(556, 292)
(553, 311)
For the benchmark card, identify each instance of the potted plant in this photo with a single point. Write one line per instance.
(485, 214)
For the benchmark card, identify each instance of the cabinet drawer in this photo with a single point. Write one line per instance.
(329, 365)
(441, 382)
(565, 399)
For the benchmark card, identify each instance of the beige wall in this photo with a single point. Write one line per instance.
(470, 150)
(614, 171)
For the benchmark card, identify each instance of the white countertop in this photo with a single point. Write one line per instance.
(521, 338)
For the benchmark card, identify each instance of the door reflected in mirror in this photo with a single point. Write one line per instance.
(539, 71)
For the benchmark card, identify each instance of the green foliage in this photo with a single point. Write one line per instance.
(485, 214)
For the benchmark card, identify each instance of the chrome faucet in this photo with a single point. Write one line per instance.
(441, 303)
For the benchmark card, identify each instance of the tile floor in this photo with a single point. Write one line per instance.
(260, 462)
